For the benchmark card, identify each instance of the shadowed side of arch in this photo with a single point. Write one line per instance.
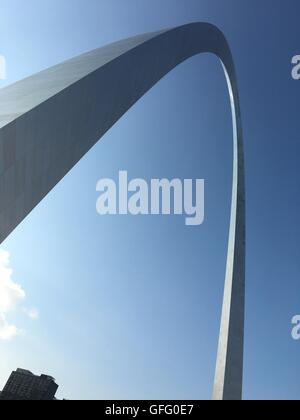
(49, 121)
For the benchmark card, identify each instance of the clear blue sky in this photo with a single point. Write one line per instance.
(129, 307)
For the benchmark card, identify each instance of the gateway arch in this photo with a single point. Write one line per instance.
(49, 121)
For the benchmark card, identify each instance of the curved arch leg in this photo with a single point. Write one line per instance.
(50, 120)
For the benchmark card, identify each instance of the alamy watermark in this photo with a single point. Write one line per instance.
(296, 67)
(2, 67)
(295, 332)
(158, 197)
(296, 327)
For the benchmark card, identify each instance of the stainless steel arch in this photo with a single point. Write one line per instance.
(50, 120)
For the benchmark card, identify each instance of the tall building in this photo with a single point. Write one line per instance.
(24, 385)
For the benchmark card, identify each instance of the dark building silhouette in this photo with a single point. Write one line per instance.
(24, 385)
